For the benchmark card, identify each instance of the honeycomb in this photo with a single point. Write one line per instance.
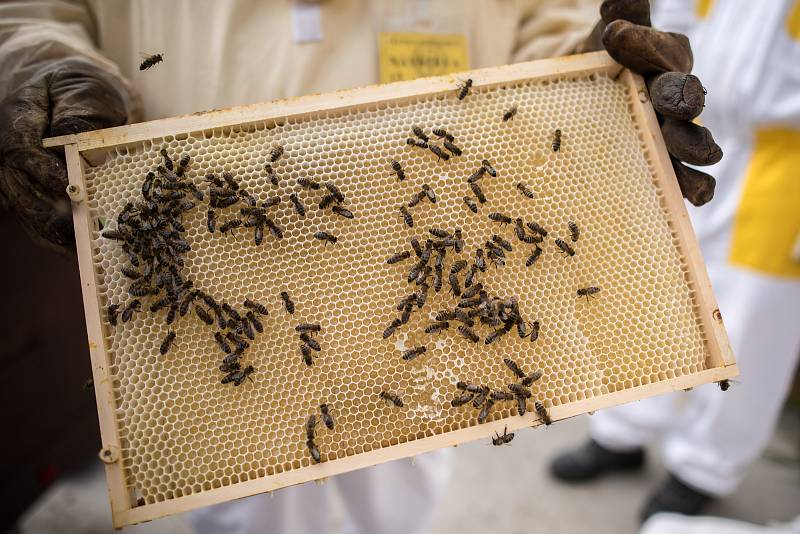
(183, 433)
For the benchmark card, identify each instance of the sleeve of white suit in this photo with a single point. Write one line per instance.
(38, 34)
(551, 28)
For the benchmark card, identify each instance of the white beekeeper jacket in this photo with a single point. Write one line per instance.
(747, 54)
(226, 53)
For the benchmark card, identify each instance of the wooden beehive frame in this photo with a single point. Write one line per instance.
(90, 148)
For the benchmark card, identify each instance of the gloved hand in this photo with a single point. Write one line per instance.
(55, 97)
(665, 60)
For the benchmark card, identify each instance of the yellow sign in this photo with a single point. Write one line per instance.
(405, 56)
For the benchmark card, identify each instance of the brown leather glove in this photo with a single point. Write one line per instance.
(665, 60)
(62, 96)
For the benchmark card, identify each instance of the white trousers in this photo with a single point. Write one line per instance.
(710, 437)
(393, 498)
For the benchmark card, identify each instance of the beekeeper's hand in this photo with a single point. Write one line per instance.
(46, 97)
(665, 60)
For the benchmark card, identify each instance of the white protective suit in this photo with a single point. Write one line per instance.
(219, 54)
(747, 55)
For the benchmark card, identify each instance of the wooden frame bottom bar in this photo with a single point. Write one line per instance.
(414, 448)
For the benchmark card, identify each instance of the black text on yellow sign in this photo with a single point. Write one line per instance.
(406, 56)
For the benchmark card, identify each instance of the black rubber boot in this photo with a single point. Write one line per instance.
(592, 460)
(675, 496)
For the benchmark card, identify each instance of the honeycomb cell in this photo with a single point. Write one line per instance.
(182, 432)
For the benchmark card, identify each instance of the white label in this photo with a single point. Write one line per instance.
(306, 22)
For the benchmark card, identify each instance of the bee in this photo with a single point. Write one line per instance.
(574, 231)
(531, 378)
(310, 341)
(391, 397)
(500, 395)
(398, 169)
(272, 201)
(413, 353)
(276, 230)
(416, 246)
(522, 405)
(229, 367)
(437, 279)
(325, 236)
(494, 336)
(471, 388)
(203, 315)
(417, 143)
(438, 232)
(557, 141)
(422, 295)
(133, 306)
(407, 218)
(442, 133)
(311, 424)
(111, 313)
(484, 413)
(258, 234)
(230, 225)
(520, 390)
(343, 212)
(535, 330)
(400, 256)
(534, 227)
(327, 418)
(511, 364)
(276, 153)
(525, 190)
(312, 448)
(257, 324)
(440, 154)
(452, 148)
(429, 193)
(461, 400)
(480, 396)
(223, 345)
(471, 204)
(326, 201)
(271, 174)
(416, 199)
(488, 168)
(305, 351)
(455, 288)
(391, 328)
(116, 235)
(467, 332)
(337, 194)
(238, 377)
(542, 411)
(151, 61)
(298, 205)
(476, 190)
(230, 180)
(419, 133)
(437, 327)
(502, 242)
(509, 114)
(503, 439)
(500, 218)
(472, 291)
(588, 291)
(533, 257)
(212, 179)
(287, 302)
(469, 279)
(308, 183)
(308, 327)
(167, 343)
(560, 243)
(464, 88)
(724, 385)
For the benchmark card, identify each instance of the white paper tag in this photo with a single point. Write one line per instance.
(306, 22)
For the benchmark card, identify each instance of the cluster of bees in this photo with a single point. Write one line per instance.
(311, 425)
(153, 238)
(476, 307)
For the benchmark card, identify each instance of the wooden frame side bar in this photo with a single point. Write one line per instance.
(719, 346)
(103, 387)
